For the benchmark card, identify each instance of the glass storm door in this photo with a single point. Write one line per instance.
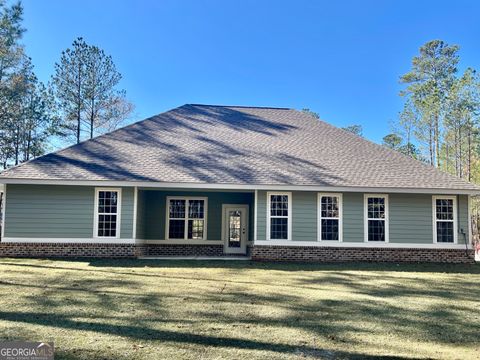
(235, 228)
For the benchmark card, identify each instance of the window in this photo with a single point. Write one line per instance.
(444, 216)
(186, 218)
(107, 213)
(279, 215)
(330, 217)
(376, 218)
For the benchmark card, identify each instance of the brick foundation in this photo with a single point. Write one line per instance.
(42, 250)
(183, 250)
(258, 252)
(108, 250)
(179, 250)
(344, 254)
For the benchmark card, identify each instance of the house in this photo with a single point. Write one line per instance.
(204, 180)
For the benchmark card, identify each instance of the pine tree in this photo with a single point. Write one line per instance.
(85, 85)
(428, 83)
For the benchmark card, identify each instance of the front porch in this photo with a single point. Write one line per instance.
(192, 224)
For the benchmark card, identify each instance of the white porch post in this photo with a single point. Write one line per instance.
(135, 200)
(255, 216)
(4, 210)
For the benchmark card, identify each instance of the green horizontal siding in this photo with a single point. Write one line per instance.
(67, 212)
(140, 214)
(126, 225)
(51, 211)
(353, 217)
(304, 216)
(410, 217)
(463, 222)
(154, 211)
(261, 215)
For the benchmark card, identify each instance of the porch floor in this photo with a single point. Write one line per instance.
(194, 257)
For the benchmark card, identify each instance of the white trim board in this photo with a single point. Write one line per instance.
(219, 242)
(4, 211)
(252, 187)
(135, 204)
(370, 244)
(68, 240)
(255, 216)
(469, 212)
(179, 242)
(112, 241)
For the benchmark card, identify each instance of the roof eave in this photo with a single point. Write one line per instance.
(251, 187)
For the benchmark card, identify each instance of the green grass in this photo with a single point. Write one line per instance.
(132, 309)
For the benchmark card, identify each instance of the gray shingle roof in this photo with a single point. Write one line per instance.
(236, 145)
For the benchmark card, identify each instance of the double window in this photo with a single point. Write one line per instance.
(186, 218)
(107, 213)
(279, 216)
(330, 217)
(444, 219)
(376, 217)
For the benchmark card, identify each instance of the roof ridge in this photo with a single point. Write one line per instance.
(243, 106)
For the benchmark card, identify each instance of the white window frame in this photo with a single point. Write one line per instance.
(434, 218)
(289, 217)
(320, 218)
(365, 217)
(187, 199)
(96, 213)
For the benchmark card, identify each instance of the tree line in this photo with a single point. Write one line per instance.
(80, 101)
(439, 122)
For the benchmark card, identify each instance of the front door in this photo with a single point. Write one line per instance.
(235, 228)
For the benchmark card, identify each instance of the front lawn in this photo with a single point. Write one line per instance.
(133, 309)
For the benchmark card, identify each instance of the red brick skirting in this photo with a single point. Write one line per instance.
(345, 254)
(108, 250)
(259, 252)
(182, 250)
(67, 250)
(179, 250)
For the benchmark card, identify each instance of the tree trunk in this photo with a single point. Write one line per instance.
(455, 137)
(447, 157)
(29, 144)
(437, 141)
(79, 100)
(92, 118)
(409, 150)
(430, 146)
(460, 155)
(469, 149)
(17, 145)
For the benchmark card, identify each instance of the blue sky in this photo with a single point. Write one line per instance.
(341, 59)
